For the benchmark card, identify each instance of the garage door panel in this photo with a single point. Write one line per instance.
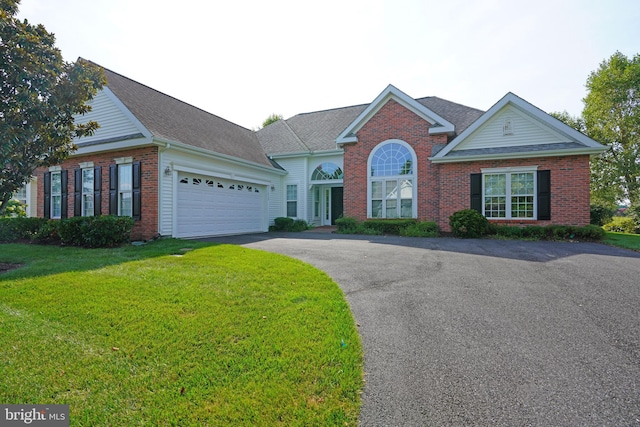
(208, 207)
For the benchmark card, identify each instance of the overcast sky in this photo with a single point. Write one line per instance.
(243, 60)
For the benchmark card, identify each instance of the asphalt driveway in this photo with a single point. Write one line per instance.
(485, 332)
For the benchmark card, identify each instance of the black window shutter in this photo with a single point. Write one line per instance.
(97, 191)
(544, 194)
(113, 189)
(64, 181)
(137, 196)
(476, 192)
(47, 194)
(77, 192)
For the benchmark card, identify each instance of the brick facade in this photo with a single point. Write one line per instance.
(147, 226)
(443, 189)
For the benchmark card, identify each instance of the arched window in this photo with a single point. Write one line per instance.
(326, 171)
(392, 171)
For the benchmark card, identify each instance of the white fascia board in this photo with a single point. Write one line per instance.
(179, 146)
(531, 110)
(293, 155)
(125, 144)
(523, 155)
(391, 92)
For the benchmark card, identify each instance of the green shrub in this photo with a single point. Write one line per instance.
(95, 231)
(420, 229)
(347, 224)
(47, 233)
(13, 229)
(289, 224)
(388, 226)
(591, 232)
(634, 213)
(622, 225)
(600, 215)
(533, 232)
(507, 231)
(468, 223)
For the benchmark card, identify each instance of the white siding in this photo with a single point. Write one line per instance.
(114, 120)
(296, 168)
(525, 131)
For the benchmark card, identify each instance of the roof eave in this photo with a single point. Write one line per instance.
(521, 155)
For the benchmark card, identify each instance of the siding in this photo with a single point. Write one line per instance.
(114, 120)
(526, 131)
(297, 168)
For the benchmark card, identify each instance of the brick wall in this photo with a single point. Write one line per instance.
(144, 229)
(443, 189)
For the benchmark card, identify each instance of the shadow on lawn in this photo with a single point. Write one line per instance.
(31, 260)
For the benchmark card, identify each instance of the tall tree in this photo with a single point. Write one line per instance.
(612, 116)
(271, 119)
(39, 95)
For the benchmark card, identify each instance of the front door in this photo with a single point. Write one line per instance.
(336, 203)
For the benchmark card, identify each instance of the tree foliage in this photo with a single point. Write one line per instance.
(271, 119)
(39, 93)
(612, 116)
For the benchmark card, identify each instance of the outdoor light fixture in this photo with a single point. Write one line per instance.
(167, 171)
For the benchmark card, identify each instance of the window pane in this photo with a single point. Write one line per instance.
(406, 189)
(376, 209)
(376, 190)
(406, 208)
(327, 171)
(56, 206)
(495, 185)
(87, 205)
(392, 209)
(522, 207)
(522, 183)
(292, 192)
(125, 178)
(495, 207)
(56, 183)
(391, 189)
(292, 209)
(87, 180)
(125, 204)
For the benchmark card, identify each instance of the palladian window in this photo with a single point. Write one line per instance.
(392, 181)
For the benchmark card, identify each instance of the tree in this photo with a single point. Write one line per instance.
(39, 95)
(612, 116)
(271, 119)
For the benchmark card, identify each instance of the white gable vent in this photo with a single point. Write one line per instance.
(507, 126)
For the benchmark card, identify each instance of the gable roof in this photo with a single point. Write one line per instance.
(438, 123)
(318, 131)
(558, 138)
(170, 119)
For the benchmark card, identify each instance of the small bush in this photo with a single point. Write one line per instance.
(420, 229)
(289, 224)
(468, 223)
(47, 233)
(622, 225)
(389, 226)
(13, 229)
(95, 231)
(600, 215)
(346, 225)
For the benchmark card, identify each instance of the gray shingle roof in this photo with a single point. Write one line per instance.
(171, 119)
(317, 131)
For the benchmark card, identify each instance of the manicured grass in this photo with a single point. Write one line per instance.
(623, 240)
(217, 335)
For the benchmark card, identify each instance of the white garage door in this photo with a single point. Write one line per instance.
(208, 206)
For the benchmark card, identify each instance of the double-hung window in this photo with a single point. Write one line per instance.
(292, 200)
(56, 194)
(125, 190)
(509, 194)
(87, 192)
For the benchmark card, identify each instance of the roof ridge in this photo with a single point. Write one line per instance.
(164, 94)
(297, 137)
(451, 102)
(329, 109)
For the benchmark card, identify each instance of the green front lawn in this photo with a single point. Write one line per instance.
(162, 335)
(623, 240)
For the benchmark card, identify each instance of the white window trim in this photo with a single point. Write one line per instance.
(287, 200)
(91, 192)
(120, 192)
(508, 171)
(413, 177)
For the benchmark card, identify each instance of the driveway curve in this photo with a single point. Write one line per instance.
(485, 332)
